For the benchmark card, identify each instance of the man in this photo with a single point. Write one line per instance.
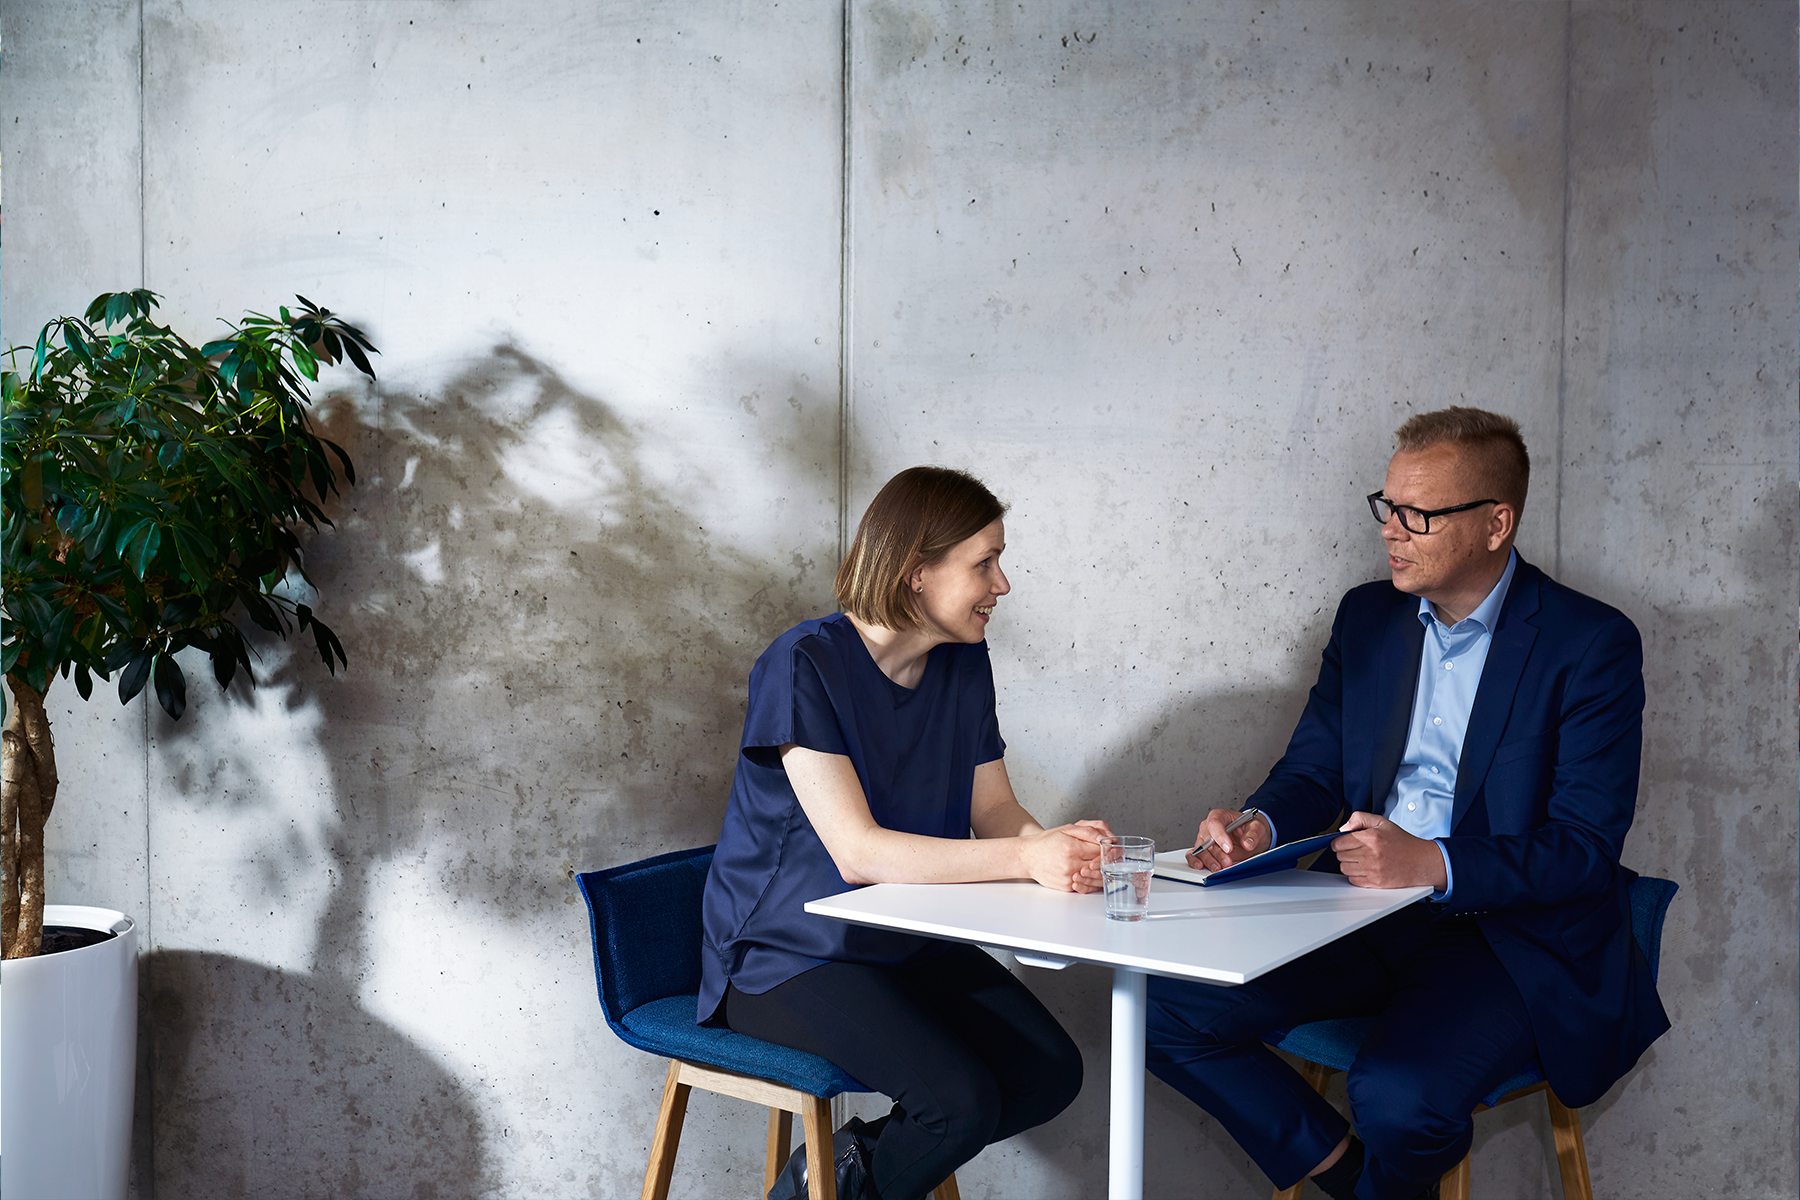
(1475, 728)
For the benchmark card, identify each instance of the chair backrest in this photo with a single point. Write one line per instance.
(645, 918)
(1650, 898)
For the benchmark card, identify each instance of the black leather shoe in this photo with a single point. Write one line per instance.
(851, 1148)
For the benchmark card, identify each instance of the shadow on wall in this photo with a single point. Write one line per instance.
(393, 1123)
(548, 657)
(1206, 752)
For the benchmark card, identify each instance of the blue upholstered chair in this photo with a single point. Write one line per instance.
(1329, 1046)
(645, 918)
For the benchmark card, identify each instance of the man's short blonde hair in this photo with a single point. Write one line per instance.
(1491, 442)
(914, 521)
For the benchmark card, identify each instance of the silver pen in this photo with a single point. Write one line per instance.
(1241, 818)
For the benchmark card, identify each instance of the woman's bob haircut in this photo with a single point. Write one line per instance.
(918, 517)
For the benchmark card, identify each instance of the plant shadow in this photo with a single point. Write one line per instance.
(548, 661)
(272, 1083)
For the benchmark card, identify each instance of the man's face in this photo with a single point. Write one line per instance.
(1464, 551)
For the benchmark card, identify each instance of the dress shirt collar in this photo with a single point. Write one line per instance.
(1486, 613)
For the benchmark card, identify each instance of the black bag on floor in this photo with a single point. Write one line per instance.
(851, 1148)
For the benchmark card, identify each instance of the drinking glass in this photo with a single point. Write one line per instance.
(1126, 864)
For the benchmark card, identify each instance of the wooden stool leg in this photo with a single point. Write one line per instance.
(946, 1190)
(1317, 1075)
(1455, 1184)
(781, 1136)
(668, 1135)
(821, 1172)
(1571, 1151)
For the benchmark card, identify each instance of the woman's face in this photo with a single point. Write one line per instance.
(958, 592)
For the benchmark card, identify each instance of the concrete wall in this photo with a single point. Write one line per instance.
(1165, 275)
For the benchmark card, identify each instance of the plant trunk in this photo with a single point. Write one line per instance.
(27, 792)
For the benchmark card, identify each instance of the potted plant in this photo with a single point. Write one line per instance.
(151, 492)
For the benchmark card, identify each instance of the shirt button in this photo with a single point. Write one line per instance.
(1437, 720)
(1434, 771)
(1410, 806)
(1449, 666)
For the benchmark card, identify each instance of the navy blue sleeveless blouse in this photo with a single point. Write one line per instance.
(915, 751)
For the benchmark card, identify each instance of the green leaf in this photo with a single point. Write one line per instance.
(171, 686)
(262, 613)
(358, 357)
(227, 467)
(349, 467)
(121, 654)
(130, 533)
(113, 611)
(328, 645)
(137, 671)
(56, 634)
(33, 611)
(195, 552)
(37, 676)
(84, 682)
(243, 654)
(143, 550)
(305, 362)
(225, 648)
(168, 455)
(78, 345)
(118, 309)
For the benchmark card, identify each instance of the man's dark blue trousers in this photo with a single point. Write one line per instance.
(1450, 1025)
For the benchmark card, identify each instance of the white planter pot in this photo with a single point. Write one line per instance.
(68, 1058)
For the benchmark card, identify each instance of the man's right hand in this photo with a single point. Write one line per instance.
(1228, 848)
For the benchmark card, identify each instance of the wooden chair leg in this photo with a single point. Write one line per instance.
(781, 1136)
(946, 1190)
(821, 1172)
(668, 1135)
(1571, 1151)
(1455, 1184)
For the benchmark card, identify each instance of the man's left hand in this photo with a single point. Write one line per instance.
(1376, 853)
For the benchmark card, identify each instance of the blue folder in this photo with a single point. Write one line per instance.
(1277, 859)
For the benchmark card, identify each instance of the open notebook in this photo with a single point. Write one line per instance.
(1172, 864)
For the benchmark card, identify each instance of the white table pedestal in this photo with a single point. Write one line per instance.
(1125, 1152)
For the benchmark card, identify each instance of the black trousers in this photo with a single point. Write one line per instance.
(1450, 1025)
(968, 1054)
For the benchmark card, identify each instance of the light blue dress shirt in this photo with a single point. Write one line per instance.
(1424, 790)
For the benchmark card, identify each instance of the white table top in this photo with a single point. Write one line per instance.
(1227, 934)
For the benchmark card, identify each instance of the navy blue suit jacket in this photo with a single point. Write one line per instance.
(1545, 791)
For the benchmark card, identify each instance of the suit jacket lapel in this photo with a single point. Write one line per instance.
(1396, 683)
(1506, 657)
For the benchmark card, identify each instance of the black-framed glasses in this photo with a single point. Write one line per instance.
(1415, 520)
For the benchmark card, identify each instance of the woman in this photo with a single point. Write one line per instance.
(870, 752)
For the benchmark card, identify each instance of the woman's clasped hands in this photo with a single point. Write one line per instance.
(1066, 857)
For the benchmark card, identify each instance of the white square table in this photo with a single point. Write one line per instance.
(1226, 935)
